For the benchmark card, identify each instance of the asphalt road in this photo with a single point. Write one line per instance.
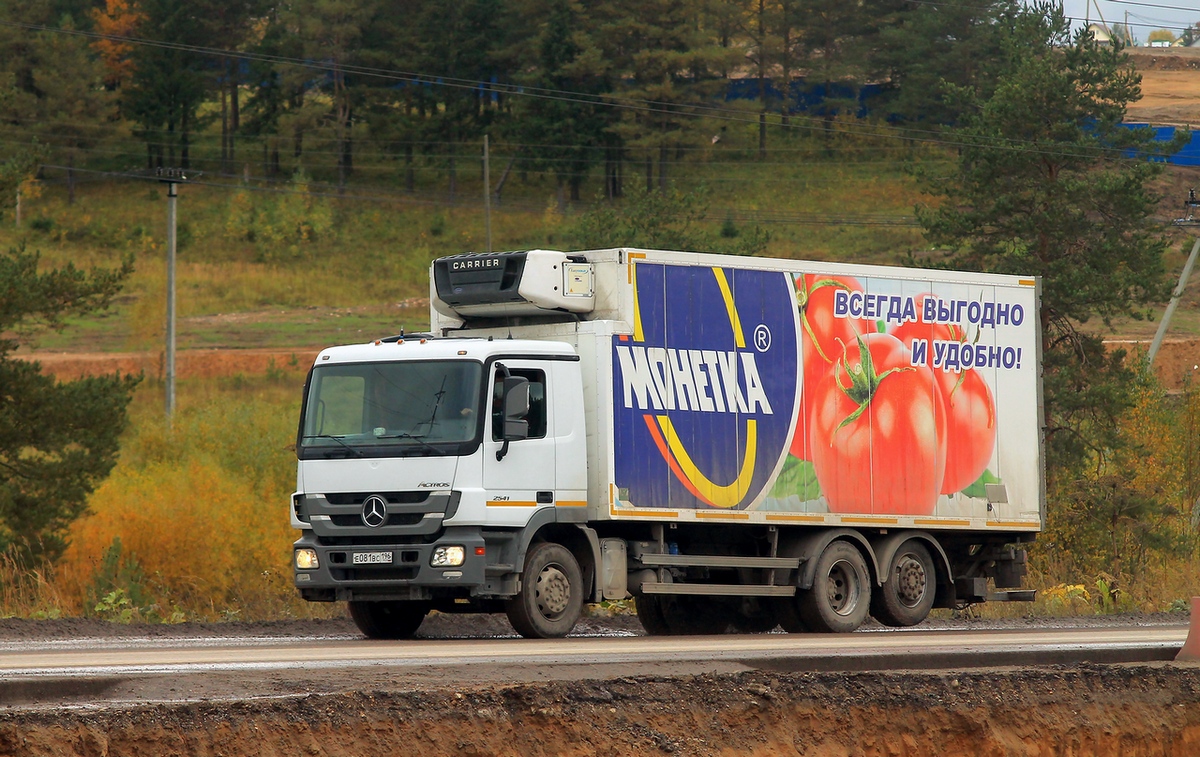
(893, 650)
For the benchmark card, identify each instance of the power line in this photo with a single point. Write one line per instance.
(812, 123)
(1160, 6)
(936, 4)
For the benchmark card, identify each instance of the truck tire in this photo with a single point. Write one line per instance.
(388, 619)
(651, 615)
(674, 615)
(754, 615)
(841, 592)
(551, 597)
(689, 615)
(787, 610)
(906, 598)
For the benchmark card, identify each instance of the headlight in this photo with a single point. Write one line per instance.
(448, 557)
(306, 559)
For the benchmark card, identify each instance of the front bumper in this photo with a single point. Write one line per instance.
(408, 575)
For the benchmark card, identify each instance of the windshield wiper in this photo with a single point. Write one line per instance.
(437, 401)
(414, 437)
(337, 439)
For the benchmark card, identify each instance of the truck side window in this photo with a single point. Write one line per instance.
(537, 402)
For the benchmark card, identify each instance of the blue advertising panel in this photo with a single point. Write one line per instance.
(706, 386)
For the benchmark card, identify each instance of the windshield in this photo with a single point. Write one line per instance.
(402, 408)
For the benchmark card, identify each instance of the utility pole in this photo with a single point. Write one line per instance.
(487, 192)
(172, 177)
(1189, 219)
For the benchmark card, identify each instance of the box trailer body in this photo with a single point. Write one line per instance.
(735, 442)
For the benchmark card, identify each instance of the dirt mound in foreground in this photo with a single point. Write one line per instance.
(1092, 710)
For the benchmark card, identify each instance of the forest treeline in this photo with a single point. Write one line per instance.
(575, 85)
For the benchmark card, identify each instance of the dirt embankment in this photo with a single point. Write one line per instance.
(1170, 86)
(1085, 710)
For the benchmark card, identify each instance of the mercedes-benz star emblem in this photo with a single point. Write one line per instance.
(374, 512)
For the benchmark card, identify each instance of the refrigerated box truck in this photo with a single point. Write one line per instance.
(735, 443)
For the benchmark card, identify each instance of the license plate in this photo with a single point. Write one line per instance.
(372, 558)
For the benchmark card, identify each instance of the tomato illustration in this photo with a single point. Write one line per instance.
(970, 408)
(878, 431)
(821, 340)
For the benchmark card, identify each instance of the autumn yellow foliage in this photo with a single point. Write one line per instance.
(193, 523)
(120, 18)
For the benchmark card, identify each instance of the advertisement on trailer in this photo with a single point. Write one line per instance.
(815, 393)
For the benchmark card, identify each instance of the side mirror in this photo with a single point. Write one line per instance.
(515, 401)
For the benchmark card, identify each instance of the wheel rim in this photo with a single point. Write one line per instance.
(552, 592)
(911, 581)
(842, 588)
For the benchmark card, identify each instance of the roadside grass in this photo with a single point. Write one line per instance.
(1166, 586)
(246, 251)
(253, 248)
(193, 522)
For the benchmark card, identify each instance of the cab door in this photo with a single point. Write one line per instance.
(524, 479)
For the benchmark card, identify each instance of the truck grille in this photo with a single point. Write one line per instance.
(337, 518)
(395, 519)
(393, 498)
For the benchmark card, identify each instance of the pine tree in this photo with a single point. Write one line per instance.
(1044, 187)
(331, 32)
(58, 440)
(73, 111)
(562, 133)
(166, 87)
(457, 45)
(665, 61)
(929, 48)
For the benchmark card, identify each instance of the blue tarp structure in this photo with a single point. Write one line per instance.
(1188, 156)
(802, 96)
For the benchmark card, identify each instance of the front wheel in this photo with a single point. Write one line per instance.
(841, 592)
(551, 597)
(388, 619)
(906, 598)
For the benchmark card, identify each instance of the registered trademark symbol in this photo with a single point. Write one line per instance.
(762, 338)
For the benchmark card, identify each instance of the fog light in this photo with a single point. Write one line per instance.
(448, 557)
(306, 559)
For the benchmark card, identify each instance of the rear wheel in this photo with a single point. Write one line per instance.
(787, 610)
(697, 615)
(676, 615)
(651, 615)
(551, 597)
(906, 598)
(388, 619)
(841, 592)
(754, 615)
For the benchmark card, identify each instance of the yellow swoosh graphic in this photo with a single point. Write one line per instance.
(728, 495)
(734, 321)
(638, 335)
